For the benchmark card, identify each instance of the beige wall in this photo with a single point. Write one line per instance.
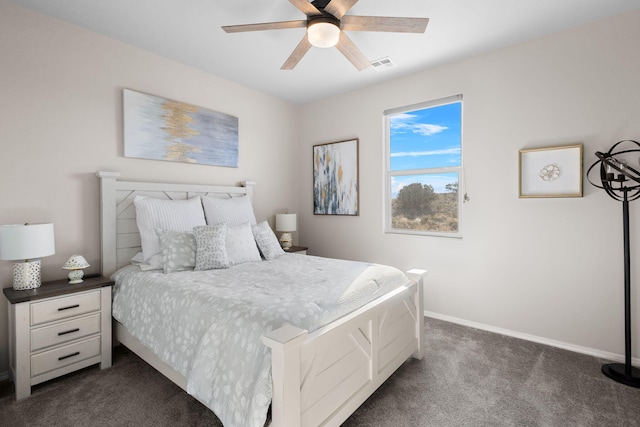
(549, 268)
(60, 122)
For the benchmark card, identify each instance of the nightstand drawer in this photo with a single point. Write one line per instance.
(60, 308)
(65, 331)
(63, 356)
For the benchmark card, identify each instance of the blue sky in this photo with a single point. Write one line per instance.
(428, 138)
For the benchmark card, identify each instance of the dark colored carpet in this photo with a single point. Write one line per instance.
(468, 378)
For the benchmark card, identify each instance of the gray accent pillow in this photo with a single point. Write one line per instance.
(211, 252)
(267, 241)
(178, 250)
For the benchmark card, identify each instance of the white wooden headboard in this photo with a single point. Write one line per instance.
(119, 234)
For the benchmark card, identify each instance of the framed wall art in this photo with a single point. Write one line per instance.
(335, 178)
(551, 172)
(162, 129)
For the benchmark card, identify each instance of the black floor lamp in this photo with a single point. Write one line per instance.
(622, 182)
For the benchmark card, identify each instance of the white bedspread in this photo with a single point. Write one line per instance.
(208, 325)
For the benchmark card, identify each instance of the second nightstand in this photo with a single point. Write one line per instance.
(58, 328)
(298, 250)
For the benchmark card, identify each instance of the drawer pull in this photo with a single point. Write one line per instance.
(69, 355)
(69, 307)
(68, 332)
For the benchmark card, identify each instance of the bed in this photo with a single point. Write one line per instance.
(318, 376)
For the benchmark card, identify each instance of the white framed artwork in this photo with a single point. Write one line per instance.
(551, 172)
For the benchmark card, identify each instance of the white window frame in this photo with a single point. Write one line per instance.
(390, 174)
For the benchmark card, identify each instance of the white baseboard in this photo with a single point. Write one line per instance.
(553, 343)
(4, 376)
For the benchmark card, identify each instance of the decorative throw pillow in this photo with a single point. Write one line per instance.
(174, 215)
(211, 252)
(267, 241)
(240, 244)
(232, 211)
(178, 250)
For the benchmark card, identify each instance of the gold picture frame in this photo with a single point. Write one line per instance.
(551, 172)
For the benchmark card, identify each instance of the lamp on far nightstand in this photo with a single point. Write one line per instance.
(75, 264)
(26, 243)
(286, 223)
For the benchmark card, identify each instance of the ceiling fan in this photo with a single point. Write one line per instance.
(326, 22)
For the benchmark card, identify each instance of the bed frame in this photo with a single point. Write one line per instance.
(319, 378)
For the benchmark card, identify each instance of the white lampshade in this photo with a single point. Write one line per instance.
(286, 222)
(76, 262)
(26, 241)
(323, 34)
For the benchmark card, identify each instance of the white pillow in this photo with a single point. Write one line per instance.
(173, 215)
(267, 241)
(232, 211)
(137, 258)
(154, 263)
(210, 243)
(240, 244)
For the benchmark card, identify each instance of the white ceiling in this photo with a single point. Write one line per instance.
(188, 31)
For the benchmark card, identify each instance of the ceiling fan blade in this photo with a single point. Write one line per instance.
(265, 26)
(297, 54)
(351, 52)
(384, 23)
(306, 7)
(339, 7)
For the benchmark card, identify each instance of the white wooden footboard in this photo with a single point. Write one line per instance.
(321, 378)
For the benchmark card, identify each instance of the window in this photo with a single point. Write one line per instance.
(424, 168)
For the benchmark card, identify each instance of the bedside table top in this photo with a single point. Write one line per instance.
(56, 288)
(296, 249)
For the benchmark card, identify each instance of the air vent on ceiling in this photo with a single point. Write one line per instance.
(383, 64)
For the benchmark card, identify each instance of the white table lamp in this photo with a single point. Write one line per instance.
(75, 264)
(26, 243)
(286, 223)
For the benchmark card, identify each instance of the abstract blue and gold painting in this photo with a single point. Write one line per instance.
(162, 129)
(335, 178)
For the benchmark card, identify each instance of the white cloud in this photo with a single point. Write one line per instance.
(406, 122)
(426, 153)
(397, 186)
(402, 122)
(427, 129)
(401, 119)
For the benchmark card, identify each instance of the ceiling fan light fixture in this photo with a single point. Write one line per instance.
(323, 34)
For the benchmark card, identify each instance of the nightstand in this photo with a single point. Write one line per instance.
(58, 328)
(298, 250)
